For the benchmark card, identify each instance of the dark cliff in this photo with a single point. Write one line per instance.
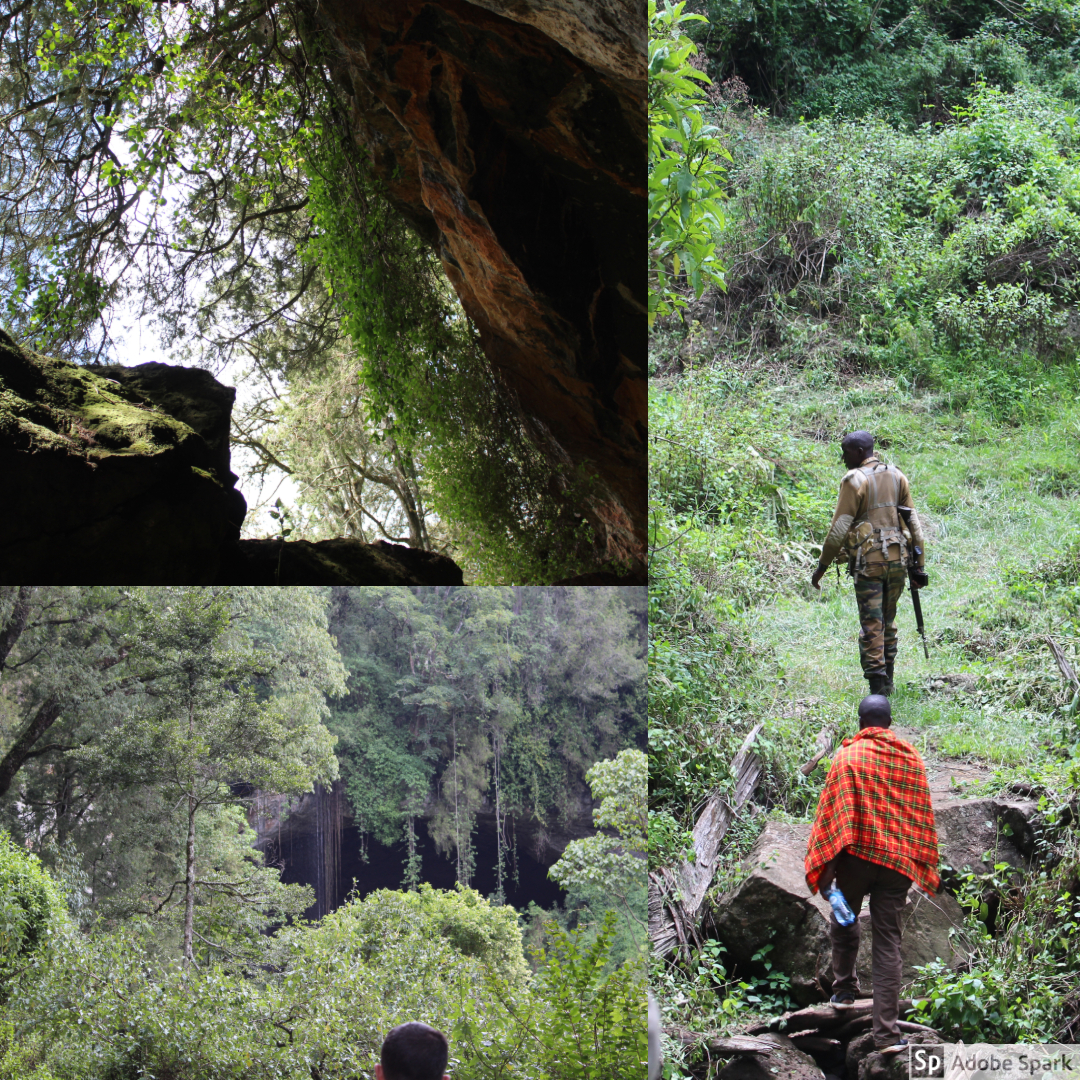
(511, 133)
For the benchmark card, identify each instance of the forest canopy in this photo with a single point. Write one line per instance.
(194, 165)
(496, 698)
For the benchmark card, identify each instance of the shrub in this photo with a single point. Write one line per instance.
(31, 911)
(471, 924)
(685, 167)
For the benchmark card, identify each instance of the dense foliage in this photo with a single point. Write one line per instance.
(195, 165)
(112, 1005)
(685, 169)
(31, 908)
(459, 698)
(138, 725)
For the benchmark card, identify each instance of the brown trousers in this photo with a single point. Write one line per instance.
(887, 889)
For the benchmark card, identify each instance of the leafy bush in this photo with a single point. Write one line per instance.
(685, 170)
(907, 62)
(935, 253)
(1016, 987)
(31, 913)
(586, 1021)
(669, 841)
(116, 1006)
(471, 924)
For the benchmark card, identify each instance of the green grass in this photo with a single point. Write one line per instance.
(981, 503)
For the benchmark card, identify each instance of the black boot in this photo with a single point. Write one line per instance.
(888, 671)
(879, 684)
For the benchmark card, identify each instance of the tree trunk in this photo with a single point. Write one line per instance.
(189, 895)
(12, 761)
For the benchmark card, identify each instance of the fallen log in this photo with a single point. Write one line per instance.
(822, 1018)
(676, 895)
(722, 1046)
(814, 1044)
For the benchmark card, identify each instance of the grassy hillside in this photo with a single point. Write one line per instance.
(911, 271)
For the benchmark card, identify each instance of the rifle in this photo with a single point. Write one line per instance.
(916, 578)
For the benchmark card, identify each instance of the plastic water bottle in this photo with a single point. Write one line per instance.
(844, 915)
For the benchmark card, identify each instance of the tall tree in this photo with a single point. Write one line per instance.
(208, 730)
(84, 648)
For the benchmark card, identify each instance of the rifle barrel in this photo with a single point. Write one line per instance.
(917, 604)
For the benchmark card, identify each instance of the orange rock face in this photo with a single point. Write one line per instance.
(512, 134)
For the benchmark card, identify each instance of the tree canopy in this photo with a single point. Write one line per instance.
(120, 707)
(463, 699)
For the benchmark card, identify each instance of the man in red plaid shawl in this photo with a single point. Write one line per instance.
(874, 834)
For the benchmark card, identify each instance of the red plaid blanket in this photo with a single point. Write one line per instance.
(876, 803)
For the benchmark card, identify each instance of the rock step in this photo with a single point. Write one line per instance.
(772, 906)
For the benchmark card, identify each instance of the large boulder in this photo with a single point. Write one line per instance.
(512, 134)
(974, 834)
(773, 906)
(121, 475)
(106, 479)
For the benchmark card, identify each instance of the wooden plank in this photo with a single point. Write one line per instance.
(675, 896)
(821, 747)
(712, 823)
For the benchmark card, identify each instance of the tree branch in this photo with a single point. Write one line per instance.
(16, 623)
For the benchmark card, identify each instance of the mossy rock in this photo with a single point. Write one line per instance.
(110, 484)
(336, 562)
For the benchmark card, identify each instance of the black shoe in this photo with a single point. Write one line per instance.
(879, 684)
(844, 1000)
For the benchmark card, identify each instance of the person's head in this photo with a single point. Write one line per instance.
(875, 711)
(856, 448)
(413, 1052)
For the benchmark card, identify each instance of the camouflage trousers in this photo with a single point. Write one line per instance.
(877, 592)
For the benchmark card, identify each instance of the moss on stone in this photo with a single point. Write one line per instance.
(54, 404)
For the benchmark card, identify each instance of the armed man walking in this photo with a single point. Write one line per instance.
(876, 530)
(873, 835)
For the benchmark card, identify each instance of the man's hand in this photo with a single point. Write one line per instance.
(819, 573)
(828, 872)
(918, 579)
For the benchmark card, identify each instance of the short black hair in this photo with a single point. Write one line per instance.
(875, 711)
(414, 1051)
(862, 439)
